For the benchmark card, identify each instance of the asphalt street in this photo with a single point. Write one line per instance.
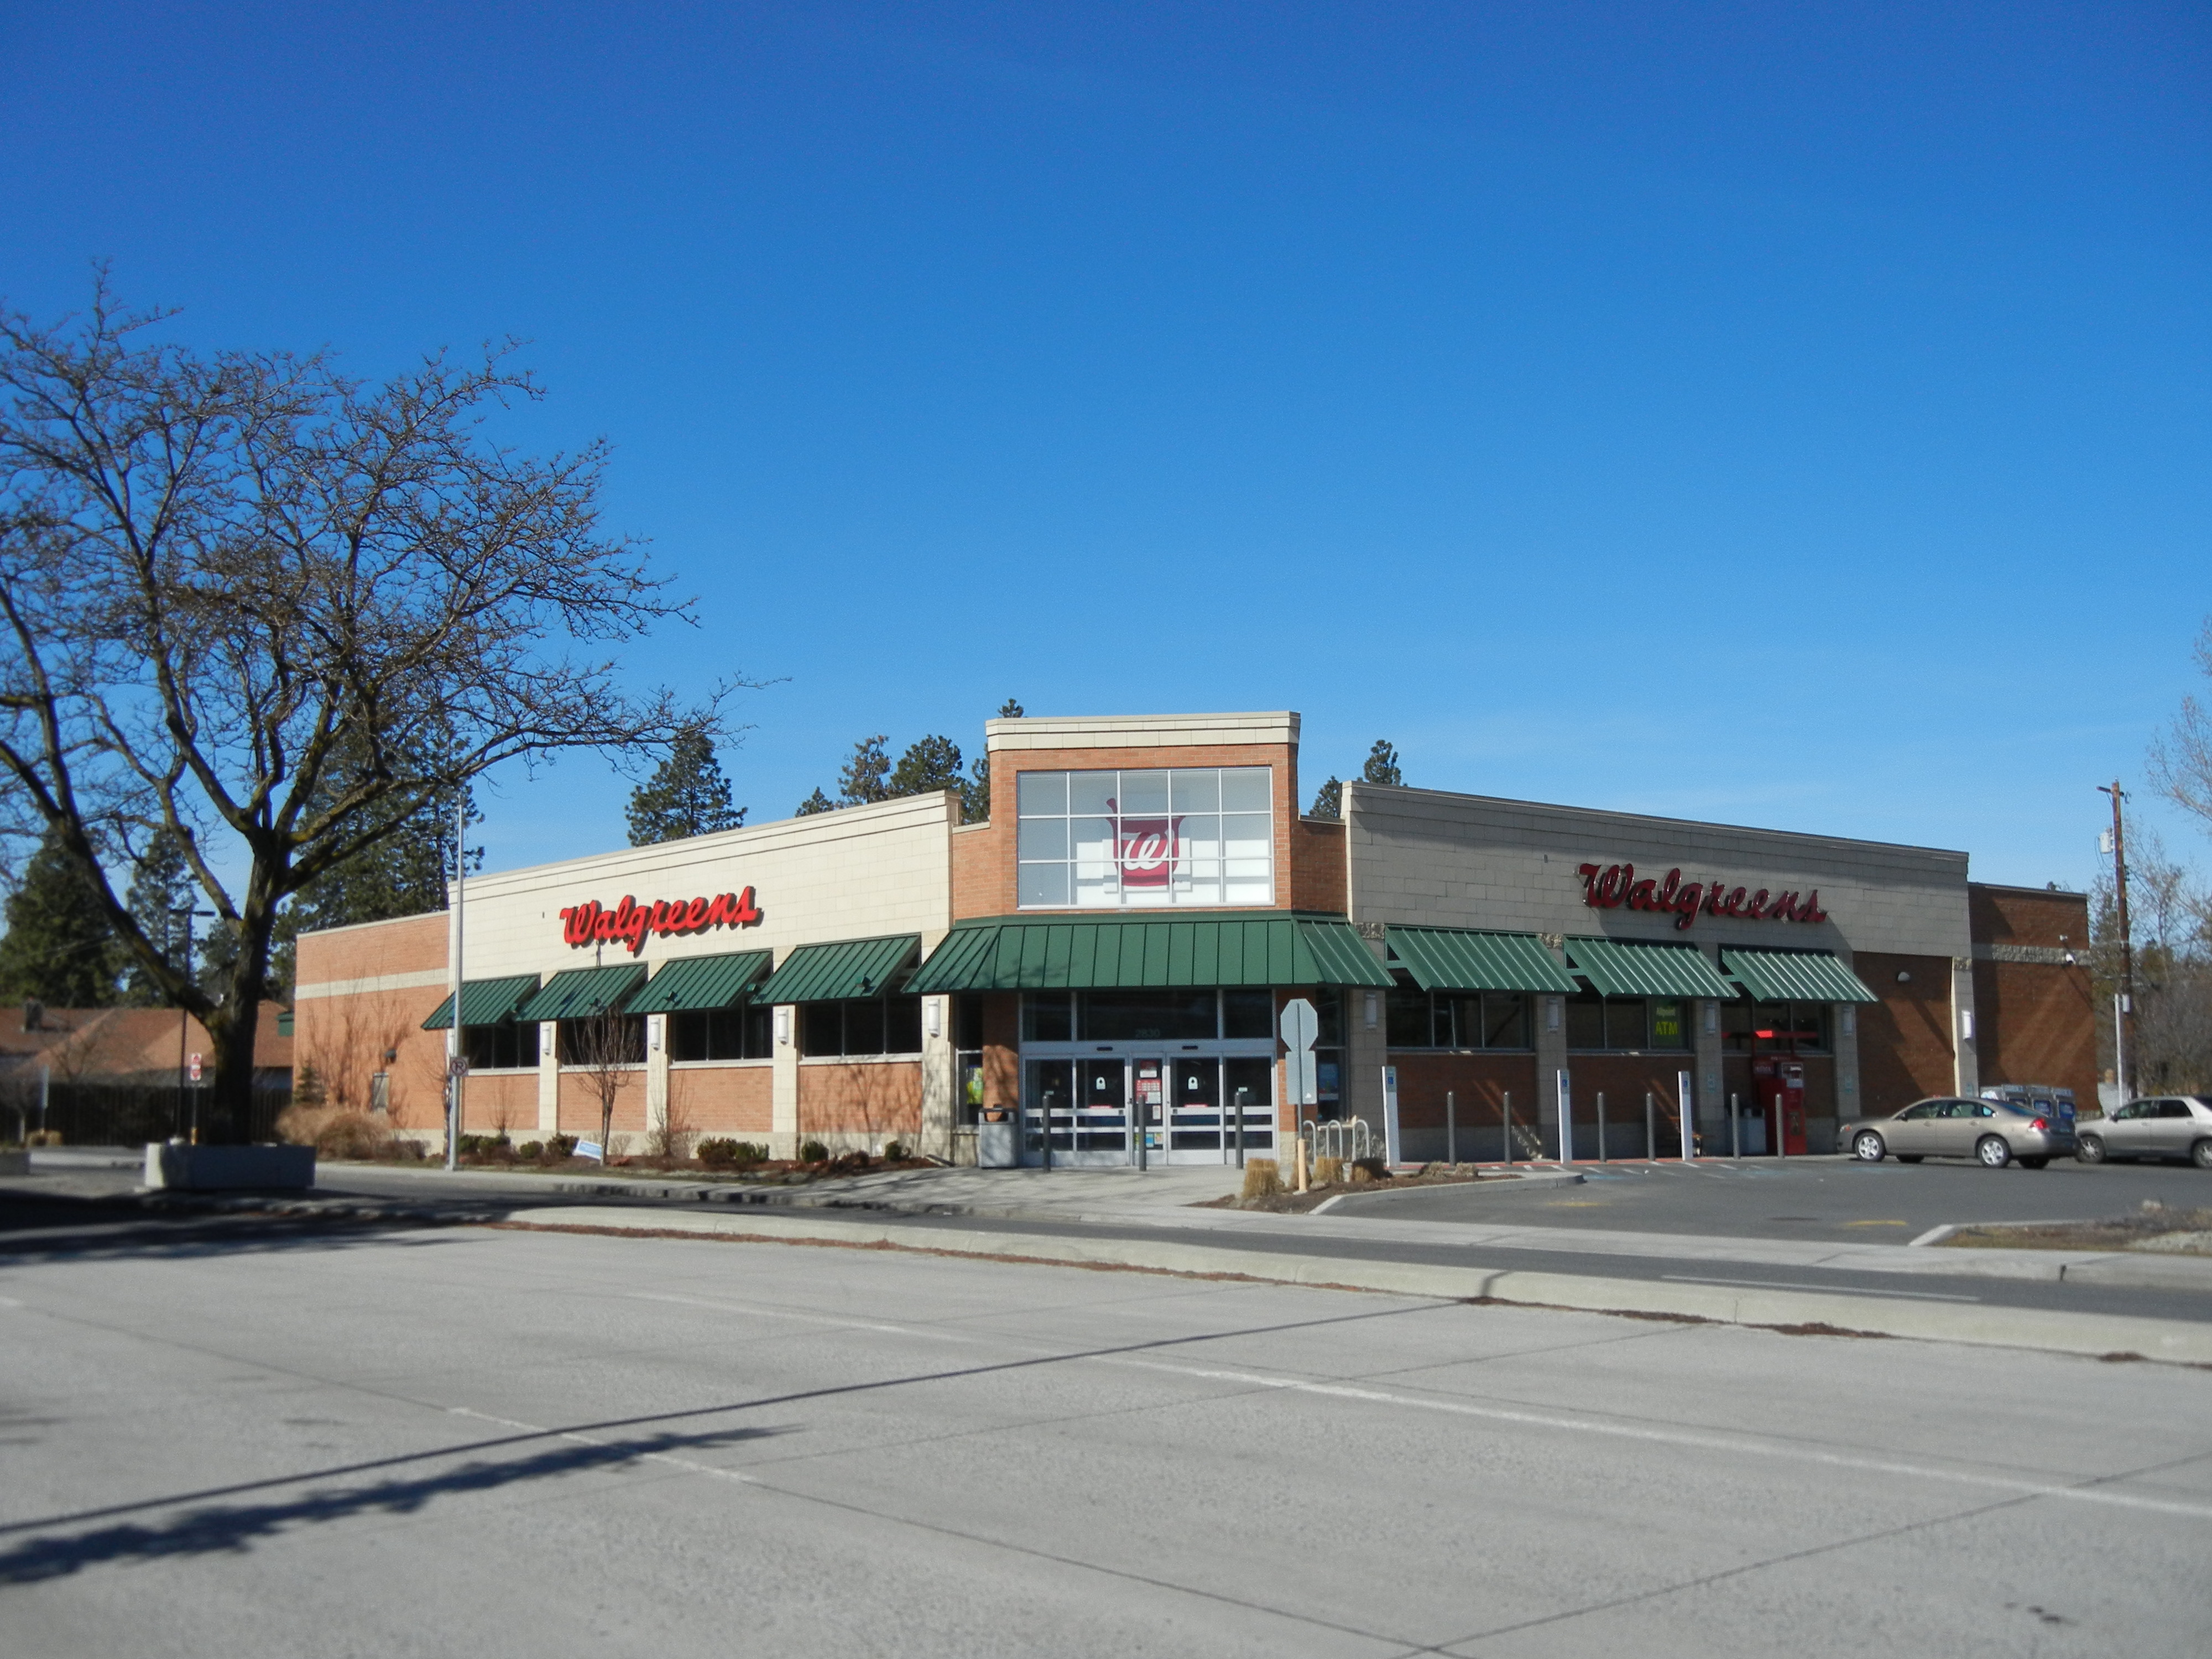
(1829, 1198)
(308, 1441)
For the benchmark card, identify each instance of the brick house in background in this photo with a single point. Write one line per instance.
(112, 1075)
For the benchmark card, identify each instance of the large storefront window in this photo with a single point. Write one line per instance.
(1774, 1028)
(1628, 1025)
(1132, 840)
(1457, 1019)
(866, 1025)
(507, 1046)
(1165, 1016)
(739, 1033)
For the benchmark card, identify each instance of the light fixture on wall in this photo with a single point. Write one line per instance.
(932, 1010)
(1905, 976)
(1850, 1020)
(1712, 1018)
(1368, 1010)
(1967, 1025)
(783, 1025)
(1552, 1007)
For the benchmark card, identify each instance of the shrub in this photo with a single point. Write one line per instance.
(335, 1131)
(722, 1153)
(894, 1152)
(1263, 1178)
(1328, 1171)
(558, 1148)
(813, 1151)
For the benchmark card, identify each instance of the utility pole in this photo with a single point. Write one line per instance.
(455, 1063)
(2123, 1019)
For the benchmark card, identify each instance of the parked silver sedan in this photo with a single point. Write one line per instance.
(1991, 1132)
(2170, 1126)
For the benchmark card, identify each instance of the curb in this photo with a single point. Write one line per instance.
(1797, 1312)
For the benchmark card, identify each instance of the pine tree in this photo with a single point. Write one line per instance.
(160, 886)
(929, 764)
(817, 802)
(861, 779)
(687, 796)
(1328, 799)
(976, 792)
(1382, 765)
(59, 947)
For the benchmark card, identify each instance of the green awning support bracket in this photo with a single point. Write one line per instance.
(582, 993)
(1151, 951)
(1463, 959)
(1795, 976)
(695, 982)
(842, 971)
(483, 1002)
(1620, 969)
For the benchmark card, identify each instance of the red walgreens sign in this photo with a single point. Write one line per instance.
(1148, 850)
(1617, 886)
(630, 922)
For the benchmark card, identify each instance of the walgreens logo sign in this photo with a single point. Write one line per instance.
(631, 923)
(1616, 887)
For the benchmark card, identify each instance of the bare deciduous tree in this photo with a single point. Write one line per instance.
(605, 1049)
(271, 611)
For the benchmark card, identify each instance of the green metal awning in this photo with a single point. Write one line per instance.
(580, 992)
(1647, 970)
(700, 982)
(484, 1001)
(1150, 951)
(1796, 976)
(831, 972)
(1461, 959)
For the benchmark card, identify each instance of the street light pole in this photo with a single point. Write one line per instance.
(453, 1060)
(183, 1019)
(2123, 1018)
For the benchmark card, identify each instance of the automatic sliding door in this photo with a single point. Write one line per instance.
(1250, 1086)
(1047, 1106)
(1195, 1128)
(1102, 1127)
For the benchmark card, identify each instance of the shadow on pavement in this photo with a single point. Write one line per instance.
(233, 1529)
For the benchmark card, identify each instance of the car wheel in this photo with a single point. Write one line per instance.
(2200, 1154)
(2034, 1163)
(1868, 1148)
(1909, 1157)
(2090, 1150)
(1993, 1152)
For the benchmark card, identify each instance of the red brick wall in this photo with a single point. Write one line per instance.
(877, 1098)
(1624, 1079)
(1318, 881)
(722, 1100)
(345, 1037)
(1479, 1081)
(1905, 1040)
(1002, 1043)
(492, 1101)
(2035, 1022)
(407, 945)
(580, 1104)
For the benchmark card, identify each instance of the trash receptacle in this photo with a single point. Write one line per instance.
(995, 1146)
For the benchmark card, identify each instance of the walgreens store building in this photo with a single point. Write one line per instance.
(1107, 960)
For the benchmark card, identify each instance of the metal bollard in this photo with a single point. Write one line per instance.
(1241, 1095)
(1600, 1126)
(1650, 1129)
(1736, 1129)
(1505, 1123)
(1451, 1128)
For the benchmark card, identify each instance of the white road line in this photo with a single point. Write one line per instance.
(1829, 1289)
(1690, 1439)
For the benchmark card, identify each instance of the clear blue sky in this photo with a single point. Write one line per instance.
(1791, 415)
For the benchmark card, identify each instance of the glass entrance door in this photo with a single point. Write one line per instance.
(1194, 1127)
(1087, 1111)
(1101, 1121)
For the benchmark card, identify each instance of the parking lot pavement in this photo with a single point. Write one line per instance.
(498, 1443)
(1835, 1198)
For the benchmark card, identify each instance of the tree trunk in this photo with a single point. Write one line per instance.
(228, 1116)
(606, 1122)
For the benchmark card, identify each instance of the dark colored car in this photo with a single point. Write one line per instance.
(1993, 1133)
(2165, 1125)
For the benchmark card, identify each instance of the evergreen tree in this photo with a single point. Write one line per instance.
(1382, 765)
(929, 764)
(59, 947)
(817, 802)
(976, 792)
(687, 796)
(1328, 799)
(861, 779)
(160, 886)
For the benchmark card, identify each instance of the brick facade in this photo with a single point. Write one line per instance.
(2038, 1022)
(1905, 1040)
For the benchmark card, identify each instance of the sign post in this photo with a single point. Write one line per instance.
(1687, 1100)
(1390, 1117)
(1299, 1025)
(1566, 1118)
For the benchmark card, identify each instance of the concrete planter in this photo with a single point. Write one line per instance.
(215, 1169)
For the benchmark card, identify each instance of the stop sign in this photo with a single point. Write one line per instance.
(195, 1070)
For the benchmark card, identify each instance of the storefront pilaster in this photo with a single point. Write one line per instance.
(937, 1078)
(549, 1078)
(783, 1095)
(1965, 1064)
(1551, 1059)
(656, 1080)
(1710, 1107)
(1844, 1021)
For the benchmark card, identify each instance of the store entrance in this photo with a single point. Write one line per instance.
(1119, 1105)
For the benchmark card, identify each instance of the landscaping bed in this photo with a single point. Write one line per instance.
(1265, 1187)
(2153, 1228)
